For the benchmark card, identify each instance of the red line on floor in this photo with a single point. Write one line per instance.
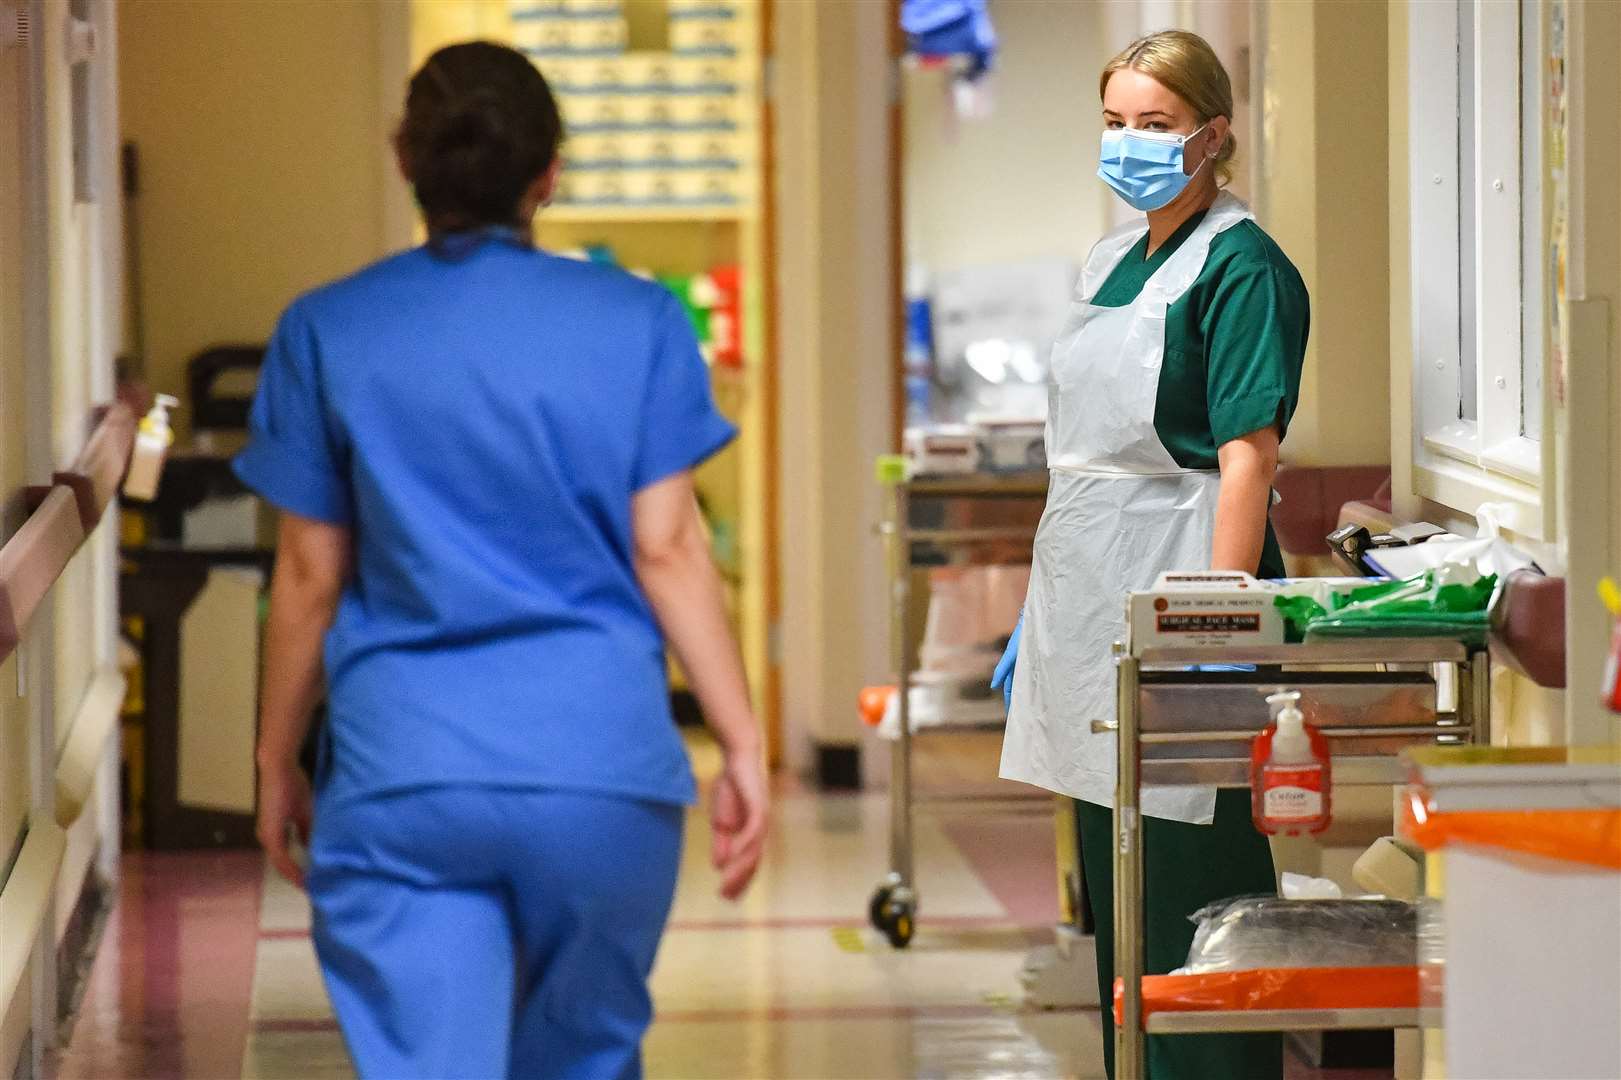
(306, 1025)
(284, 934)
(773, 1014)
(948, 922)
(786, 1013)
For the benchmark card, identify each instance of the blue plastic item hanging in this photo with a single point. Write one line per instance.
(951, 28)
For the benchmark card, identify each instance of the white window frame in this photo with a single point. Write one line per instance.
(1462, 463)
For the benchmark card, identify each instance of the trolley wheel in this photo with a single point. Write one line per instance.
(893, 912)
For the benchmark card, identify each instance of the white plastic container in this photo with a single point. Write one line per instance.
(709, 187)
(592, 75)
(701, 37)
(704, 74)
(564, 37)
(688, 110)
(152, 442)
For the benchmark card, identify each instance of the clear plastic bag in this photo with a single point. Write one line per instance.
(1254, 932)
(1432, 951)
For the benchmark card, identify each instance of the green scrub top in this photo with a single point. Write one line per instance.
(1235, 344)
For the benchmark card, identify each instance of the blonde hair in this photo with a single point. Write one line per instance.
(1185, 64)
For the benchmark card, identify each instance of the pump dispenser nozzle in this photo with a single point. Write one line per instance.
(1291, 742)
(1283, 699)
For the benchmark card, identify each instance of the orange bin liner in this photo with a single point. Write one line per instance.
(1589, 837)
(1277, 988)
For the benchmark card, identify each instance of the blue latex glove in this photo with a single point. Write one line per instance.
(1003, 677)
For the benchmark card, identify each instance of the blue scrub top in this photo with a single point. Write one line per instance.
(480, 414)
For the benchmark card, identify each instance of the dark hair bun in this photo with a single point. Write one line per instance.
(480, 126)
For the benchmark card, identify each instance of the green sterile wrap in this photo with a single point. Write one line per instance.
(1432, 604)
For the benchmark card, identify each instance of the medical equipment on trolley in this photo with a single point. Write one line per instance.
(981, 528)
(1205, 608)
(943, 450)
(1012, 445)
(1180, 724)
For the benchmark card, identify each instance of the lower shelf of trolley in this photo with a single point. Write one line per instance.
(1236, 1020)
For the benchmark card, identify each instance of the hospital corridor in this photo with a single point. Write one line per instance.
(786, 985)
(206, 967)
(810, 539)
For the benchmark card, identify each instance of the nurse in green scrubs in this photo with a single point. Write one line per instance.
(1172, 388)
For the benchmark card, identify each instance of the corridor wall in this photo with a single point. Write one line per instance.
(264, 159)
(59, 332)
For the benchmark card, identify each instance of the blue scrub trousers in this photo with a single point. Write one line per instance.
(492, 932)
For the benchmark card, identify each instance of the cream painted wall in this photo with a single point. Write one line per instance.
(836, 360)
(1020, 183)
(1326, 193)
(233, 227)
(1228, 26)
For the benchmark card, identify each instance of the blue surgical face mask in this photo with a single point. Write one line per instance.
(1145, 168)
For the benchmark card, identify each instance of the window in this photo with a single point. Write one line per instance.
(1477, 251)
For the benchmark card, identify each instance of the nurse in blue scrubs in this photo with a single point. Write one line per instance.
(483, 456)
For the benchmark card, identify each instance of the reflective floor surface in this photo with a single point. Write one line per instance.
(206, 968)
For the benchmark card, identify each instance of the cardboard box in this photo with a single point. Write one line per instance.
(652, 150)
(701, 37)
(1204, 609)
(586, 113)
(564, 37)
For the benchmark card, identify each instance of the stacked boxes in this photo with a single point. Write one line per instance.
(569, 29)
(707, 28)
(653, 130)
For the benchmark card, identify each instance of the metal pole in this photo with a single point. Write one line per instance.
(900, 762)
(1130, 1049)
(1480, 697)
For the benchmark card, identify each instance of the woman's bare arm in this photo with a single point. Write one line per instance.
(678, 575)
(1248, 465)
(312, 564)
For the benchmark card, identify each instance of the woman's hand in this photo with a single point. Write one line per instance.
(285, 803)
(739, 813)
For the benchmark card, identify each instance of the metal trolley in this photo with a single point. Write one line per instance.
(893, 908)
(1179, 726)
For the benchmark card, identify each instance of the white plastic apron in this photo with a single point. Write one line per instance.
(1120, 512)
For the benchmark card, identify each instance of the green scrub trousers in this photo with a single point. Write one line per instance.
(1185, 867)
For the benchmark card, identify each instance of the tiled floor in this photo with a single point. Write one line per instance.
(206, 970)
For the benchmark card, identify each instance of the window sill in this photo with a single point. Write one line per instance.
(1517, 459)
(1458, 442)
(1447, 476)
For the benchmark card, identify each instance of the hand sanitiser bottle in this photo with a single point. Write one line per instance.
(1290, 773)
(152, 442)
